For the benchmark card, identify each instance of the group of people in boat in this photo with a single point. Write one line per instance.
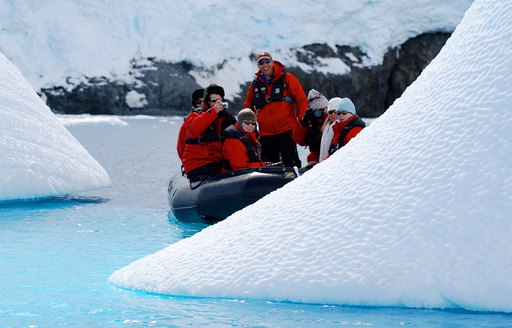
(277, 116)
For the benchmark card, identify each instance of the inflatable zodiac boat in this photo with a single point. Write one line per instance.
(214, 198)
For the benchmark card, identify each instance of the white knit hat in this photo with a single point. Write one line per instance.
(316, 100)
(334, 103)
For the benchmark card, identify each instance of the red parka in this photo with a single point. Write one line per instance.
(347, 129)
(236, 155)
(180, 145)
(278, 116)
(202, 139)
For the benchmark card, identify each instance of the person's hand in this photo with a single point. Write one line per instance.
(218, 107)
(306, 120)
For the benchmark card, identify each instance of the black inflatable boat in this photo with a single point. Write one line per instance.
(214, 198)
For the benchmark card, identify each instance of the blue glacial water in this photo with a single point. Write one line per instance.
(56, 255)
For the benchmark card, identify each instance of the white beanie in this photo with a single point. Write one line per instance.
(316, 100)
(334, 103)
(346, 104)
(245, 114)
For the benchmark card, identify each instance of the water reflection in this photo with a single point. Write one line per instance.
(51, 202)
(186, 229)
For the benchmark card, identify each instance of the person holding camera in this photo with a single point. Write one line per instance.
(277, 98)
(309, 132)
(202, 152)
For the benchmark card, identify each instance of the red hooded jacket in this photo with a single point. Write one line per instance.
(278, 116)
(235, 152)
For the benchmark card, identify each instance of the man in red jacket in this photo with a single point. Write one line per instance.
(202, 153)
(279, 101)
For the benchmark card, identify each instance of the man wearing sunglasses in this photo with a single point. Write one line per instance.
(279, 101)
(203, 128)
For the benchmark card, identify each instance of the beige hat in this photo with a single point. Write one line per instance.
(263, 55)
(245, 114)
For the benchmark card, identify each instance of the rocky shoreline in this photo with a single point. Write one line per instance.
(165, 87)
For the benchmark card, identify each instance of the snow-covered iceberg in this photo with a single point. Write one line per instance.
(38, 156)
(416, 211)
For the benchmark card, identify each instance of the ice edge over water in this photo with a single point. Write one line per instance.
(39, 157)
(413, 212)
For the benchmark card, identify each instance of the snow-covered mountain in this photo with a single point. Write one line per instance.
(64, 43)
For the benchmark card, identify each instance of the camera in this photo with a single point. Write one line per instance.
(318, 113)
(225, 104)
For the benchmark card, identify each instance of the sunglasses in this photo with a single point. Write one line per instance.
(197, 102)
(214, 99)
(342, 112)
(249, 123)
(263, 61)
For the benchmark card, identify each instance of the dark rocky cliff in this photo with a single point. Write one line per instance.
(167, 86)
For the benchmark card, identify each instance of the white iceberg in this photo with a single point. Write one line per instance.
(38, 157)
(415, 211)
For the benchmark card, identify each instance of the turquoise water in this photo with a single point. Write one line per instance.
(56, 255)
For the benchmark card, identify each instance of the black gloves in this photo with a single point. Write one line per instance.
(308, 116)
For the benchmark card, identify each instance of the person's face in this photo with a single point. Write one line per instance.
(266, 66)
(213, 98)
(344, 115)
(248, 126)
(331, 114)
(198, 102)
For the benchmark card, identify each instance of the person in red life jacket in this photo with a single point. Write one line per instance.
(202, 153)
(347, 126)
(309, 132)
(279, 101)
(197, 106)
(240, 147)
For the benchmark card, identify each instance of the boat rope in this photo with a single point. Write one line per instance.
(199, 183)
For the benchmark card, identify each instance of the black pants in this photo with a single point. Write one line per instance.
(280, 148)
